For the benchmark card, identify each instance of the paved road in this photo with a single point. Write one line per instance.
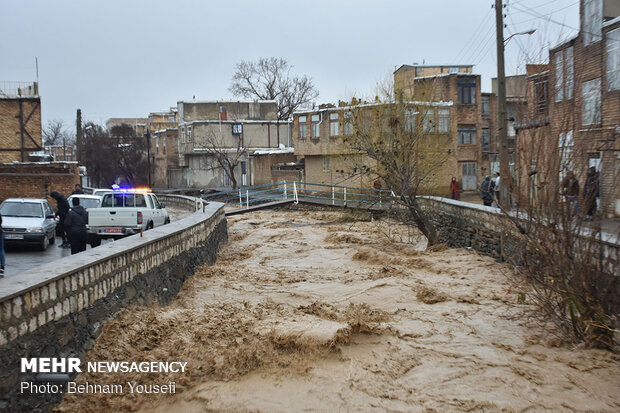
(20, 259)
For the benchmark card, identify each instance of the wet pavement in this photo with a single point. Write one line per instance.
(21, 258)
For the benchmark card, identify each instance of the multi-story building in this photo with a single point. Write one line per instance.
(218, 135)
(406, 75)
(165, 157)
(138, 124)
(20, 121)
(464, 91)
(321, 135)
(583, 98)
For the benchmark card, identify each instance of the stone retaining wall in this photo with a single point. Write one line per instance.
(58, 310)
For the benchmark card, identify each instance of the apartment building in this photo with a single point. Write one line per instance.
(212, 133)
(165, 157)
(320, 139)
(464, 91)
(20, 120)
(405, 76)
(575, 113)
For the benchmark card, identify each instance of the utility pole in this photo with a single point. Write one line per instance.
(504, 168)
(78, 137)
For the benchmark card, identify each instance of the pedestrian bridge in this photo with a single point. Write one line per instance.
(284, 192)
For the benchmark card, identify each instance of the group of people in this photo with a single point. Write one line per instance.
(72, 221)
(490, 190)
(571, 191)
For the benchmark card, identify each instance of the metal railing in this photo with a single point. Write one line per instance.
(19, 89)
(295, 191)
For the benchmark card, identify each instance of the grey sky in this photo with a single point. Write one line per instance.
(128, 58)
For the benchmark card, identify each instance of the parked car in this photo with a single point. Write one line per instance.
(101, 192)
(28, 221)
(87, 201)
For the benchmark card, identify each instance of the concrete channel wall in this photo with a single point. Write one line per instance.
(58, 310)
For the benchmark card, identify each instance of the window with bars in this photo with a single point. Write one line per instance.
(326, 163)
(540, 95)
(485, 139)
(592, 21)
(467, 135)
(348, 123)
(428, 121)
(486, 107)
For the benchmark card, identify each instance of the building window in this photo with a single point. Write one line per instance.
(333, 124)
(570, 73)
(540, 94)
(410, 120)
(164, 142)
(254, 110)
(467, 135)
(565, 146)
(326, 163)
(171, 119)
(443, 120)
(454, 70)
(613, 59)
(315, 126)
(486, 107)
(428, 121)
(348, 123)
(156, 145)
(303, 127)
(559, 77)
(466, 93)
(418, 70)
(591, 98)
(485, 140)
(592, 21)
(189, 134)
(182, 134)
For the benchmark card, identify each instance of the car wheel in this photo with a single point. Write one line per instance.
(44, 243)
(167, 220)
(53, 239)
(149, 225)
(95, 242)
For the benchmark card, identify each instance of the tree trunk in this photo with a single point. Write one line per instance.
(424, 224)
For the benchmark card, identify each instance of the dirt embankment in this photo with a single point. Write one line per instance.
(309, 311)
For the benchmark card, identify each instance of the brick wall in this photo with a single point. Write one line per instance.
(10, 136)
(37, 179)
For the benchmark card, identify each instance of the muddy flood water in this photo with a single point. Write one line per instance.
(308, 311)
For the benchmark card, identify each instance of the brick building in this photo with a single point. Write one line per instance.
(238, 130)
(37, 179)
(165, 156)
(319, 137)
(405, 76)
(574, 121)
(20, 120)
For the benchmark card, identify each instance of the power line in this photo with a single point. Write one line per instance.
(476, 33)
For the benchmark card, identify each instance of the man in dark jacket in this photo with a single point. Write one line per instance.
(78, 190)
(61, 212)
(590, 192)
(485, 191)
(75, 224)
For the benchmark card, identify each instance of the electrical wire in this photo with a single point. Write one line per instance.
(472, 40)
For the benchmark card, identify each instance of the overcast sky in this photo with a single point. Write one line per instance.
(124, 58)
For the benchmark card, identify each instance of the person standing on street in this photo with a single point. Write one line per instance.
(77, 190)
(590, 192)
(61, 213)
(454, 189)
(485, 191)
(75, 224)
(495, 188)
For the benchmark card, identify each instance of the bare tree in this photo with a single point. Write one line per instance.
(404, 153)
(55, 133)
(271, 79)
(226, 157)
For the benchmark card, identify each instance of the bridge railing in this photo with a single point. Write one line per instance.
(245, 197)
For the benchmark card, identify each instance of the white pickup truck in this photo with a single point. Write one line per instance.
(123, 213)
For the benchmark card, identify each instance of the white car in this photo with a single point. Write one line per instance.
(28, 221)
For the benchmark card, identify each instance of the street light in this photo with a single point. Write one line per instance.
(504, 168)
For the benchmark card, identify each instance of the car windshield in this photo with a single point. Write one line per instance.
(21, 209)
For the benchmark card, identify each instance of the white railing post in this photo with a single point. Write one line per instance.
(285, 194)
(295, 195)
(240, 200)
(345, 196)
(247, 199)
